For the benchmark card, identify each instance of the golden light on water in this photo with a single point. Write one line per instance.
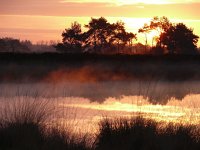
(83, 111)
(82, 116)
(186, 111)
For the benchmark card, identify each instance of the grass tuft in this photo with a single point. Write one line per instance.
(23, 127)
(145, 134)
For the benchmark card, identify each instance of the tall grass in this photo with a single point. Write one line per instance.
(25, 110)
(146, 134)
(23, 127)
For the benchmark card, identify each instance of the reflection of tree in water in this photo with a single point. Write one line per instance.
(170, 90)
(157, 92)
(155, 78)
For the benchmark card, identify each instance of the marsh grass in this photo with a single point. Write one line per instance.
(63, 140)
(146, 134)
(25, 110)
(23, 127)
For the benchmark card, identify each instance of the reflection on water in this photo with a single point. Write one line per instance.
(83, 105)
(156, 92)
(185, 111)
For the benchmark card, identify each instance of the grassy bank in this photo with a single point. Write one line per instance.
(22, 127)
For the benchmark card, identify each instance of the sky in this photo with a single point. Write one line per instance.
(38, 20)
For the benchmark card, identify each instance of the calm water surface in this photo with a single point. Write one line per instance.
(82, 105)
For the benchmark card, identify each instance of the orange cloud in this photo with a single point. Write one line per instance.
(100, 8)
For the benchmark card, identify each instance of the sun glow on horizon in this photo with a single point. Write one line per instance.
(38, 28)
(122, 2)
(144, 2)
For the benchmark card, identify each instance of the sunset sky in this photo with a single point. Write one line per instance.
(38, 20)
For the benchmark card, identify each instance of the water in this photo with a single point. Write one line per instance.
(81, 105)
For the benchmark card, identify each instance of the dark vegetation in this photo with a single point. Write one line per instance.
(37, 67)
(103, 37)
(23, 127)
(31, 136)
(12, 45)
(157, 78)
(17, 46)
(21, 131)
(146, 134)
(112, 38)
(172, 39)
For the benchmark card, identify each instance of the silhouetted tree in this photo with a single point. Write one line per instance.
(72, 39)
(157, 24)
(12, 45)
(176, 38)
(180, 39)
(130, 37)
(161, 25)
(121, 37)
(2, 45)
(98, 34)
(27, 43)
(102, 35)
(119, 34)
(145, 29)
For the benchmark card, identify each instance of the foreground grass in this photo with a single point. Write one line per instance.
(146, 134)
(22, 127)
(30, 136)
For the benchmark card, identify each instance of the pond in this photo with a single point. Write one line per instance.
(81, 105)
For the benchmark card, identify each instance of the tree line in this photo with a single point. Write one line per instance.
(101, 36)
(105, 37)
(174, 38)
(12, 45)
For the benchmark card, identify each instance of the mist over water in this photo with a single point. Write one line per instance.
(97, 81)
(157, 92)
(85, 92)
